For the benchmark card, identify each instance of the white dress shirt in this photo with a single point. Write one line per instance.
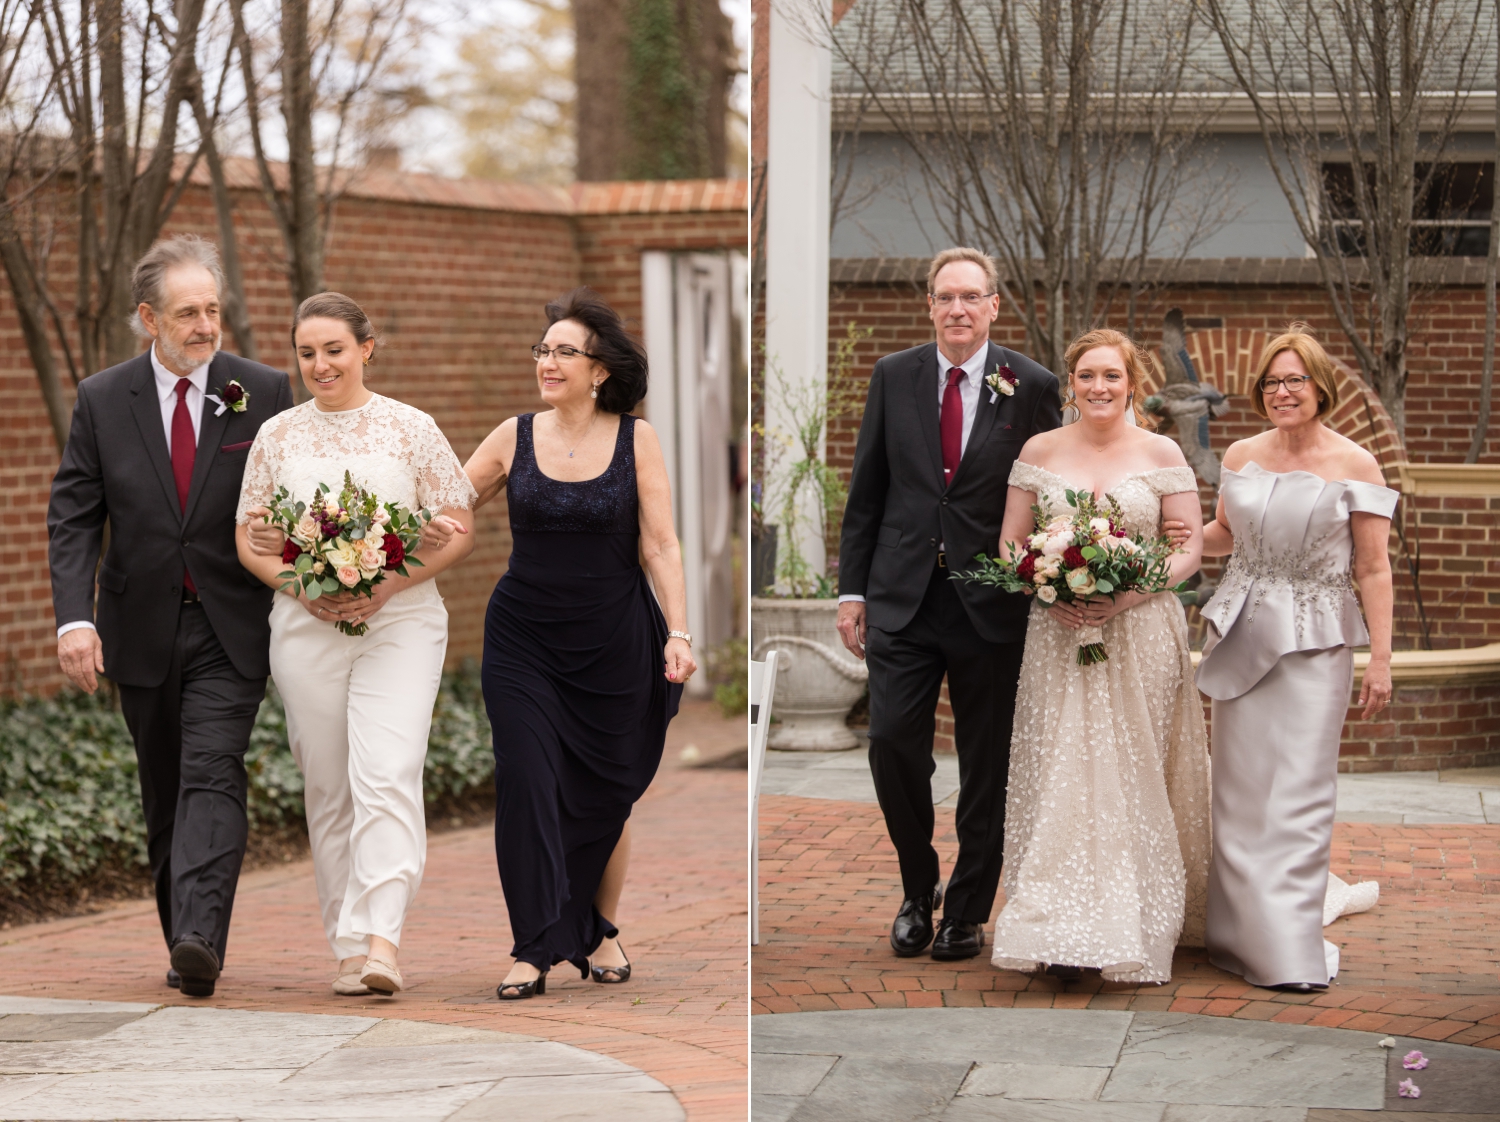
(968, 392)
(166, 392)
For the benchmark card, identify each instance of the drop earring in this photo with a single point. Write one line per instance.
(594, 393)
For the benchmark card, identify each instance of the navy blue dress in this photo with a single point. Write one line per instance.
(575, 687)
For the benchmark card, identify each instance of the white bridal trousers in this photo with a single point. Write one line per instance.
(358, 710)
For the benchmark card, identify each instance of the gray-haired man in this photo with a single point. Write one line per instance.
(157, 448)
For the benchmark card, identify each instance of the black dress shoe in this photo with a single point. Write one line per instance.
(912, 929)
(174, 979)
(197, 964)
(957, 939)
(1299, 987)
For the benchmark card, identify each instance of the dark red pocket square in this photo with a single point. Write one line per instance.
(240, 447)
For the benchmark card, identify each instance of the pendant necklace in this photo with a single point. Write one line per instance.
(587, 429)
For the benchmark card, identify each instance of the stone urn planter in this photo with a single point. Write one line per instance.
(818, 681)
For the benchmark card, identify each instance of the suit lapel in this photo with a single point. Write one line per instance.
(210, 430)
(985, 414)
(925, 399)
(145, 406)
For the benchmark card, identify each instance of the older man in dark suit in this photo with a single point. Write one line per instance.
(157, 448)
(942, 426)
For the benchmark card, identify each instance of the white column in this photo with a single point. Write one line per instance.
(797, 161)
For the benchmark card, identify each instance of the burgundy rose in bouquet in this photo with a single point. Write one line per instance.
(1084, 554)
(344, 543)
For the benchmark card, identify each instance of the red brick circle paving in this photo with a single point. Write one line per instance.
(681, 1018)
(1424, 963)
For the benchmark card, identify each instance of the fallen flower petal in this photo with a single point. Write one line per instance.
(1414, 1061)
(1388, 1042)
(1408, 1090)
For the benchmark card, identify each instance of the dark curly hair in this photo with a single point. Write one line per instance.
(611, 345)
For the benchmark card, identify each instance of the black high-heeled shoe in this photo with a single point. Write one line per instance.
(622, 973)
(533, 988)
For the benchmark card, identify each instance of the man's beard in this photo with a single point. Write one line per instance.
(180, 359)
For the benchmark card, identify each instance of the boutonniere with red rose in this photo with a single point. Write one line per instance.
(235, 397)
(1001, 380)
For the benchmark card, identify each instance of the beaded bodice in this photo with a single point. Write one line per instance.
(392, 449)
(1287, 585)
(606, 504)
(1139, 493)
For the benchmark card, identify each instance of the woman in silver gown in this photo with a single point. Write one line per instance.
(1296, 504)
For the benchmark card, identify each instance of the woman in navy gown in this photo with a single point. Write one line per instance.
(583, 665)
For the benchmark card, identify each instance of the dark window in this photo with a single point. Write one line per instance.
(1451, 218)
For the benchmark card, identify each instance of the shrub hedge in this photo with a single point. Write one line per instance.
(70, 801)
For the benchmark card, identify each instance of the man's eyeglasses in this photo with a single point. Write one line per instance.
(541, 351)
(970, 299)
(1294, 384)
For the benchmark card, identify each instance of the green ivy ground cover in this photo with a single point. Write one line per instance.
(70, 803)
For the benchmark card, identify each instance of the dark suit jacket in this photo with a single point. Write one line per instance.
(116, 466)
(899, 510)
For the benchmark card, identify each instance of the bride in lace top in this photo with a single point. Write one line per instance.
(358, 707)
(1107, 809)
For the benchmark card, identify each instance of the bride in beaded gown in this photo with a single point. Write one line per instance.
(1107, 809)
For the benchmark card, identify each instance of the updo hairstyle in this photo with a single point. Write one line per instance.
(611, 345)
(335, 305)
(1137, 366)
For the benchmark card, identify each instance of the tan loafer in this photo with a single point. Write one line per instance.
(381, 976)
(349, 985)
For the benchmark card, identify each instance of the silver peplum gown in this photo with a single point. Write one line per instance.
(1279, 666)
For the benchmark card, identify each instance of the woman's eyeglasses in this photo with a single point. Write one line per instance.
(541, 351)
(1294, 384)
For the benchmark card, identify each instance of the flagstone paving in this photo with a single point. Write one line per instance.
(116, 1060)
(680, 1020)
(1039, 1065)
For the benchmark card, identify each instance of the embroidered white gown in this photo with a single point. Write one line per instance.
(1107, 810)
(359, 708)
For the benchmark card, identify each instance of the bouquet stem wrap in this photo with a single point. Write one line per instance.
(1091, 646)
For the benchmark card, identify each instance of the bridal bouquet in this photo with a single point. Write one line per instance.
(1079, 555)
(344, 543)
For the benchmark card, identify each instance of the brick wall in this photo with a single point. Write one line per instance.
(454, 276)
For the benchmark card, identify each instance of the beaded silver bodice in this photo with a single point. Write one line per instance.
(1287, 586)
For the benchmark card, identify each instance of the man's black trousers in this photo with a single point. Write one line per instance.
(190, 735)
(906, 674)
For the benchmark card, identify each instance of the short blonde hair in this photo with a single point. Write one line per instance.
(1137, 365)
(1299, 338)
(964, 253)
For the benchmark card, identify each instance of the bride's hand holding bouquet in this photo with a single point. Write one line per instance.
(1084, 566)
(344, 550)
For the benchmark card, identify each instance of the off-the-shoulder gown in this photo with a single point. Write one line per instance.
(1279, 666)
(1106, 815)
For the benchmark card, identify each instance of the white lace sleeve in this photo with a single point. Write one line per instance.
(1031, 478)
(1171, 481)
(259, 481)
(441, 482)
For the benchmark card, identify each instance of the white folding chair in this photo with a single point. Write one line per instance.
(762, 690)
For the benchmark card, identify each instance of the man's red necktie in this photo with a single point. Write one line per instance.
(951, 425)
(184, 449)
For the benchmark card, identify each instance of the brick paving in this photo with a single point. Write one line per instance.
(681, 1018)
(1424, 963)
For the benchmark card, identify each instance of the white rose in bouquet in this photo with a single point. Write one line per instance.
(1036, 541)
(380, 517)
(1099, 527)
(1046, 594)
(309, 529)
